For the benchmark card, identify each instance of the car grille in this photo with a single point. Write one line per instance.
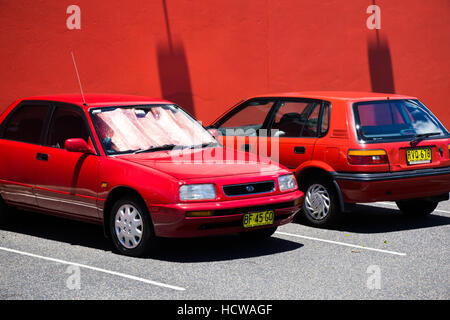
(249, 188)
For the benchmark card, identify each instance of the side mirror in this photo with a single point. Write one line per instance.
(78, 145)
(214, 132)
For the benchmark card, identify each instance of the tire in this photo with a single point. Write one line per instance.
(320, 206)
(4, 213)
(131, 228)
(416, 207)
(259, 234)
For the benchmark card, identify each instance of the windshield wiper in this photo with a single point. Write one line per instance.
(164, 147)
(204, 145)
(174, 146)
(420, 137)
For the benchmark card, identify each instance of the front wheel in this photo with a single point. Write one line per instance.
(416, 207)
(131, 228)
(320, 207)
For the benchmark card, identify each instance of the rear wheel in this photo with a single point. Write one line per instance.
(320, 207)
(131, 228)
(416, 207)
(259, 234)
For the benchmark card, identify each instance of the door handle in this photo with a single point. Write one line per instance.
(246, 147)
(299, 150)
(42, 157)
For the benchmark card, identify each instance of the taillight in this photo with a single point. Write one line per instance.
(367, 157)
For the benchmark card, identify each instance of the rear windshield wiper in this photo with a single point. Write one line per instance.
(164, 147)
(420, 137)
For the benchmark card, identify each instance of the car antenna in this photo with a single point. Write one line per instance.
(78, 77)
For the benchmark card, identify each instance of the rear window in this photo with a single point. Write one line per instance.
(395, 120)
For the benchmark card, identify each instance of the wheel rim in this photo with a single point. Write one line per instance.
(317, 202)
(128, 226)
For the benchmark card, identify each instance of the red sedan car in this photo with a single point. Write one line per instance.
(347, 147)
(141, 167)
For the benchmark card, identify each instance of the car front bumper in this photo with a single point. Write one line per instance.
(171, 221)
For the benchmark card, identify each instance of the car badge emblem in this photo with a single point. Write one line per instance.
(250, 188)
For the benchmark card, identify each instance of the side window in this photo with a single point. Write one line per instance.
(297, 119)
(311, 127)
(247, 120)
(325, 123)
(66, 123)
(290, 107)
(26, 124)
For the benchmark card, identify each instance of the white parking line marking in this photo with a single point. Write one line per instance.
(391, 204)
(127, 276)
(341, 243)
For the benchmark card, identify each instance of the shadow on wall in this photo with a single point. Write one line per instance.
(380, 64)
(174, 76)
(173, 70)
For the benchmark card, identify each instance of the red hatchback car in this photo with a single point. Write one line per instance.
(141, 167)
(347, 147)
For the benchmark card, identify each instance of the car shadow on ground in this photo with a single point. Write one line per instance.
(374, 219)
(56, 229)
(218, 248)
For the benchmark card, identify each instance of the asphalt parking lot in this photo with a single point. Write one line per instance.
(376, 253)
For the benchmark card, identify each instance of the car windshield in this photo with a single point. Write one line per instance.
(148, 128)
(395, 120)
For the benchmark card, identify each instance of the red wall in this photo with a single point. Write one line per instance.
(209, 54)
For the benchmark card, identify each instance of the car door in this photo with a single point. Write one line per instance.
(245, 127)
(20, 135)
(296, 124)
(67, 181)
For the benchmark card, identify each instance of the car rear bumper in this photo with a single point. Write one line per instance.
(171, 221)
(392, 186)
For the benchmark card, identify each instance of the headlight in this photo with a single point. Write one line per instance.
(287, 182)
(197, 192)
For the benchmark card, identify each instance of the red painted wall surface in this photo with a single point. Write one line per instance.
(206, 55)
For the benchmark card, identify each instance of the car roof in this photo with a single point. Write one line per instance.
(337, 95)
(99, 100)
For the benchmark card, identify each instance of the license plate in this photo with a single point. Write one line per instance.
(418, 156)
(256, 219)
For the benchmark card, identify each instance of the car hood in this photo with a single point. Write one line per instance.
(204, 163)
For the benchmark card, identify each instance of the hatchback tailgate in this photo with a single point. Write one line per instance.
(426, 154)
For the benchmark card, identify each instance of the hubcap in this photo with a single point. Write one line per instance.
(128, 225)
(317, 202)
